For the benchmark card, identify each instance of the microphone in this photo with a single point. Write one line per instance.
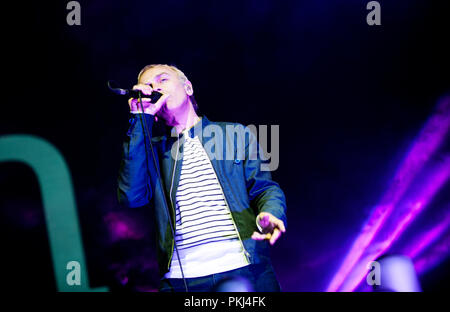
(154, 96)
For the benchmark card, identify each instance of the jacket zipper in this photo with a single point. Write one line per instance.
(171, 202)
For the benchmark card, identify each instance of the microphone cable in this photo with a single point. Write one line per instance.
(161, 184)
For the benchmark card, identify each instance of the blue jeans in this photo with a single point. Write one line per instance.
(260, 276)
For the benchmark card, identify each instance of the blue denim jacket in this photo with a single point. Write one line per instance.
(248, 190)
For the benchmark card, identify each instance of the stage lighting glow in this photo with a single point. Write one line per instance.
(398, 274)
(434, 256)
(432, 135)
(404, 215)
(427, 239)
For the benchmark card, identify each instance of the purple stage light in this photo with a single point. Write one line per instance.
(122, 227)
(427, 239)
(433, 256)
(425, 145)
(404, 215)
(397, 274)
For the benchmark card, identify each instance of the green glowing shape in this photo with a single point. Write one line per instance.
(60, 211)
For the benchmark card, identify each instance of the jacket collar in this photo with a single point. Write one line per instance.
(196, 130)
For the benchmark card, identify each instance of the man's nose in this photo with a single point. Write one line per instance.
(155, 86)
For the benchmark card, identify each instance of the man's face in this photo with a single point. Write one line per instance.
(165, 80)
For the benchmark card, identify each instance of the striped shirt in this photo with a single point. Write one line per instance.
(206, 237)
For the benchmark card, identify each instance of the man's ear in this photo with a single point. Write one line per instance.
(188, 88)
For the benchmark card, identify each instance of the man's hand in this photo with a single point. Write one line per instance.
(149, 108)
(272, 227)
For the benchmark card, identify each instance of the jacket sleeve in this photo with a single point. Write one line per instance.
(264, 193)
(134, 188)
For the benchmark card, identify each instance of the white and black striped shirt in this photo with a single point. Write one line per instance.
(206, 237)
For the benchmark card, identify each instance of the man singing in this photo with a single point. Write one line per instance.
(225, 212)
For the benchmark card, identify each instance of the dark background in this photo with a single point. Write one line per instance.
(349, 98)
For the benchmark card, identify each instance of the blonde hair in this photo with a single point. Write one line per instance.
(180, 75)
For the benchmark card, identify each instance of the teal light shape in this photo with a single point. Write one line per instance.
(60, 211)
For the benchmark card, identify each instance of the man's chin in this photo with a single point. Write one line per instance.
(171, 108)
(168, 120)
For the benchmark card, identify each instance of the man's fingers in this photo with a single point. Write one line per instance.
(146, 89)
(268, 220)
(259, 236)
(275, 235)
(272, 237)
(146, 105)
(278, 223)
(134, 103)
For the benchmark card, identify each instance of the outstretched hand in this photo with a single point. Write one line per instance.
(272, 228)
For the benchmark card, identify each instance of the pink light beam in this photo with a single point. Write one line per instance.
(425, 145)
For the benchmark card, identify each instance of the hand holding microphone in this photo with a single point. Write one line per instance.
(147, 105)
(152, 101)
